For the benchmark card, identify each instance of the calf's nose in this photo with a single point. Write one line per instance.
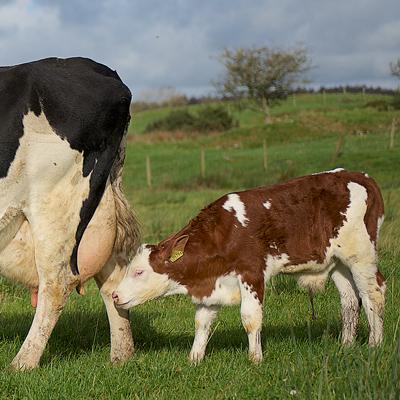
(115, 297)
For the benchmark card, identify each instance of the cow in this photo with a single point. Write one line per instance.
(312, 227)
(63, 216)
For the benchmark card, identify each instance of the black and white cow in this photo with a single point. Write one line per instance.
(62, 124)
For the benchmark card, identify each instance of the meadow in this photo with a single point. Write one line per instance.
(303, 358)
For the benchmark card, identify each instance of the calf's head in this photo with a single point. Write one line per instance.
(147, 275)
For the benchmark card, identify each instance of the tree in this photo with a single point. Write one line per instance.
(258, 78)
(395, 68)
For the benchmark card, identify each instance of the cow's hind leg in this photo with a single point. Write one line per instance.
(371, 287)
(349, 300)
(203, 321)
(55, 284)
(120, 330)
(361, 258)
(54, 238)
(251, 313)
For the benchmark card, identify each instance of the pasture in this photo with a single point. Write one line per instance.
(303, 359)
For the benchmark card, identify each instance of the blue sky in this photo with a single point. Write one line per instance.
(155, 43)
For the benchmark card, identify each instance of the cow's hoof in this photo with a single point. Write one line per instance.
(255, 358)
(118, 357)
(347, 342)
(195, 357)
(122, 350)
(19, 364)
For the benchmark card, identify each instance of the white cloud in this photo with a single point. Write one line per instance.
(155, 43)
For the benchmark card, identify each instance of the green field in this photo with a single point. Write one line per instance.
(303, 359)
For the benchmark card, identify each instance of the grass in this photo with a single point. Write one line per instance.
(303, 359)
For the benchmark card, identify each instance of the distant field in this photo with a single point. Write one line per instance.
(303, 359)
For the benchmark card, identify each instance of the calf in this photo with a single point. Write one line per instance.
(311, 227)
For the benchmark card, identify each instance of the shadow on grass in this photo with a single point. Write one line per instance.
(83, 332)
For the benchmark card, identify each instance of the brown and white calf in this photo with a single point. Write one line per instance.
(312, 227)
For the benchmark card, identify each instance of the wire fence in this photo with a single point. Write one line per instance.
(176, 167)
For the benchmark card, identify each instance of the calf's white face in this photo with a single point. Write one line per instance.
(140, 283)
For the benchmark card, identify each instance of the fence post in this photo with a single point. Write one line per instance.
(148, 171)
(338, 148)
(363, 93)
(294, 100)
(265, 155)
(323, 97)
(392, 132)
(202, 164)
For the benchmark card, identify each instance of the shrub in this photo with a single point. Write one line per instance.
(381, 105)
(207, 119)
(396, 101)
(386, 105)
(180, 120)
(213, 119)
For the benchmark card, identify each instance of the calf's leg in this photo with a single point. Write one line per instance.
(252, 313)
(349, 300)
(203, 321)
(107, 281)
(371, 287)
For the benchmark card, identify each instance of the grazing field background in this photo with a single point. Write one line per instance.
(303, 359)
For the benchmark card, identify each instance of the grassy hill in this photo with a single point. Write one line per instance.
(303, 359)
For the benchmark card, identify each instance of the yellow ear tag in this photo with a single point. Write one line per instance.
(176, 255)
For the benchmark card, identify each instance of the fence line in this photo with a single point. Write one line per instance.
(265, 155)
(262, 160)
(148, 171)
(202, 164)
(392, 133)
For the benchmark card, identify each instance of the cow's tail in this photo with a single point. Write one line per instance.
(128, 228)
(375, 210)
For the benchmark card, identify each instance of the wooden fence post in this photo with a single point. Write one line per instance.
(323, 97)
(294, 99)
(202, 164)
(338, 148)
(148, 171)
(392, 132)
(265, 155)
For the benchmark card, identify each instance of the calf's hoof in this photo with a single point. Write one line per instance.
(374, 342)
(255, 358)
(195, 357)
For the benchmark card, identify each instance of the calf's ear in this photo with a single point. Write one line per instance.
(178, 248)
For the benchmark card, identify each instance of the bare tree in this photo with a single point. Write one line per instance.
(395, 68)
(258, 78)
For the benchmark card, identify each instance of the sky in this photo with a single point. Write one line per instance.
(155, 44)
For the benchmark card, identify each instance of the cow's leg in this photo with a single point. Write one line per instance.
(252, 314)
(120, 329)
(371, 287)
(55, 284)
(349, 300)
(53, 233)
(203, 321)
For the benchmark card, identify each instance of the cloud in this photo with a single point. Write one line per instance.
(156, 43)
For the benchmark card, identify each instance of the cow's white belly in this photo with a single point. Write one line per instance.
(226, 292)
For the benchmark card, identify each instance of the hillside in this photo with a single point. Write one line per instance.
(303, 359)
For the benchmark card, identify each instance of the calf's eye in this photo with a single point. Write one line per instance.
(138, 272)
